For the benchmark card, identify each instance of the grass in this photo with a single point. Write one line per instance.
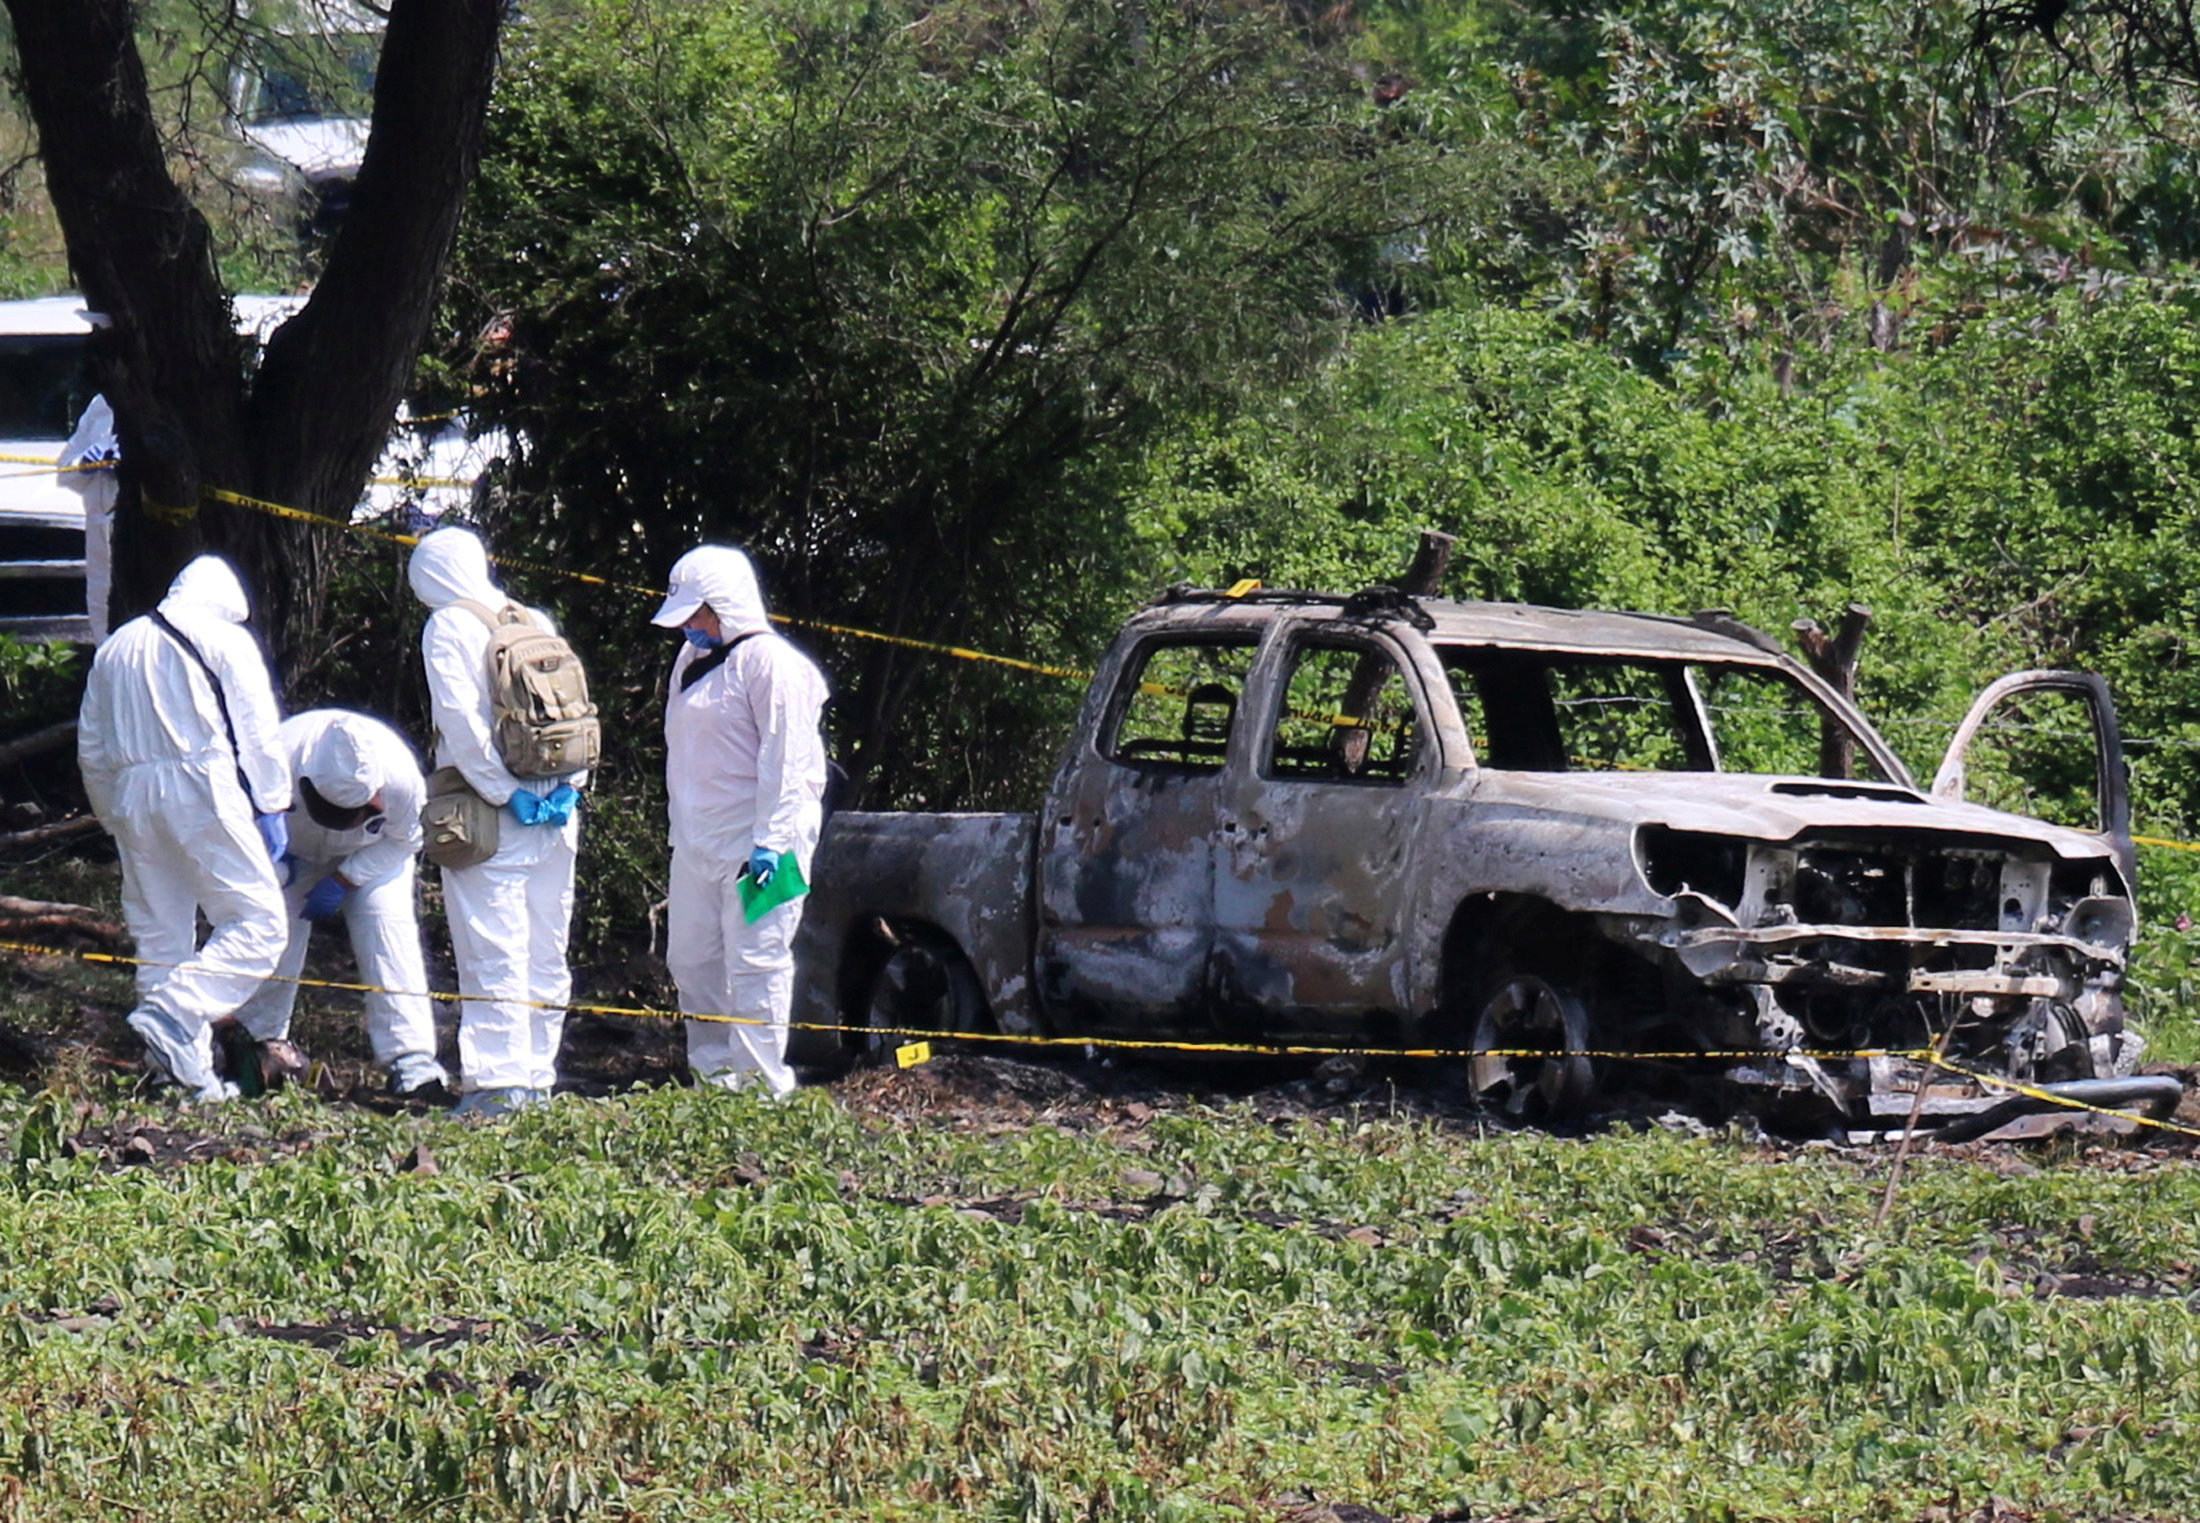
(682, 1305)
(911, 1298)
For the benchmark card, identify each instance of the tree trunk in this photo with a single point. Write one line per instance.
(1834, 657)
(192, 414)
(1424, 578)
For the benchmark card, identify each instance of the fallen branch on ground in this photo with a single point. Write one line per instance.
(59, 830)
(52, 738)
(26, 917)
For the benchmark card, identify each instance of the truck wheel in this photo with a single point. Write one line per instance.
(1531, 1046)
(923, 986)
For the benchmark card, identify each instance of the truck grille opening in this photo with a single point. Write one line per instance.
(1877, 886)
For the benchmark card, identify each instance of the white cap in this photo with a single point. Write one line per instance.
(722, 577)
(680, 603)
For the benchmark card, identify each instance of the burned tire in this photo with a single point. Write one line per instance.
(1531, 1050)
(920, 987)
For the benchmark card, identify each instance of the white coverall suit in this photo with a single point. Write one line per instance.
(351, 759)
(163, 777)
(744, 767)
(509, 915)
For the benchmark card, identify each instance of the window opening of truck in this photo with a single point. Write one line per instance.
(1347, 716)
(1767, 723)
(1558, 711)
(2037, 755)
(1178, 702)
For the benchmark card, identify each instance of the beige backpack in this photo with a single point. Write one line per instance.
(540, 716)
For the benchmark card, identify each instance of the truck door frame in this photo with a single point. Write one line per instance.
(1125, 852)
(1315, 890)
(2112, 787)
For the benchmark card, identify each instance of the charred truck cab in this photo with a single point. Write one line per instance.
(1377, 820)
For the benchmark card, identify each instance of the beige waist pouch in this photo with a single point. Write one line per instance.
(461, 825)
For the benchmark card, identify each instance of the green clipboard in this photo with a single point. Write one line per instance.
(787, 883)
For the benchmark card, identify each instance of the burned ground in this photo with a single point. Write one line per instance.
(61, 1021)
(62, 1027)
(61, 1030)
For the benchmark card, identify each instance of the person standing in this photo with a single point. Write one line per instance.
(354, 833)
(177, 740)
(510, 914)
(745, 772)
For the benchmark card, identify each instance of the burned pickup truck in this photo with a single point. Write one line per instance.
(1537, 835)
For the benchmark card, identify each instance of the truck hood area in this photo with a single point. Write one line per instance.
(1770, 809)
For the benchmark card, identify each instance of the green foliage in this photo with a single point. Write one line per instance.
(688, 1305)
(895, 300)
(1573, 481)
(41, 680)
(2050, 496)
(1804, 175)
(188, 48)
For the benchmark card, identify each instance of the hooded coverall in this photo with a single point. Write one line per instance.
(351, 759)
(744, 768)
(164, 778)
(509, 915)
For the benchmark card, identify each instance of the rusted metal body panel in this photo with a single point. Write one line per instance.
(967, 874)
(1380, 820)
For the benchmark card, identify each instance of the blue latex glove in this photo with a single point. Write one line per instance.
(325, 900)
(286, 869)
(554, 808)
(763, 862)
(275, 831)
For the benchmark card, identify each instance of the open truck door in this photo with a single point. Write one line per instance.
(2046, 745)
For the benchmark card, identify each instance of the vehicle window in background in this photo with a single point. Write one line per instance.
(1347, 717)
(1765, 723)
(1544, 711)
(1179, 704)
(310, 75)
(45, 384)
(2036, 755)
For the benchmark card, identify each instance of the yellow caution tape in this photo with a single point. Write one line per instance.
(49, 468)
(919, 1049)
(1004, 1038)
(1237, 589)
(2034, 1092)
(261, 505)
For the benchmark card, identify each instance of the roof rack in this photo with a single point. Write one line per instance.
(1722, 621)
(1369, 604)
(1185, 592)
(1383, 601)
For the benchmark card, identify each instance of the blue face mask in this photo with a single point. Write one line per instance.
(699, 640)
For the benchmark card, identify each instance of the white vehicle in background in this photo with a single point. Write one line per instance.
(46, 387)
(57, 447)
(300, 98)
